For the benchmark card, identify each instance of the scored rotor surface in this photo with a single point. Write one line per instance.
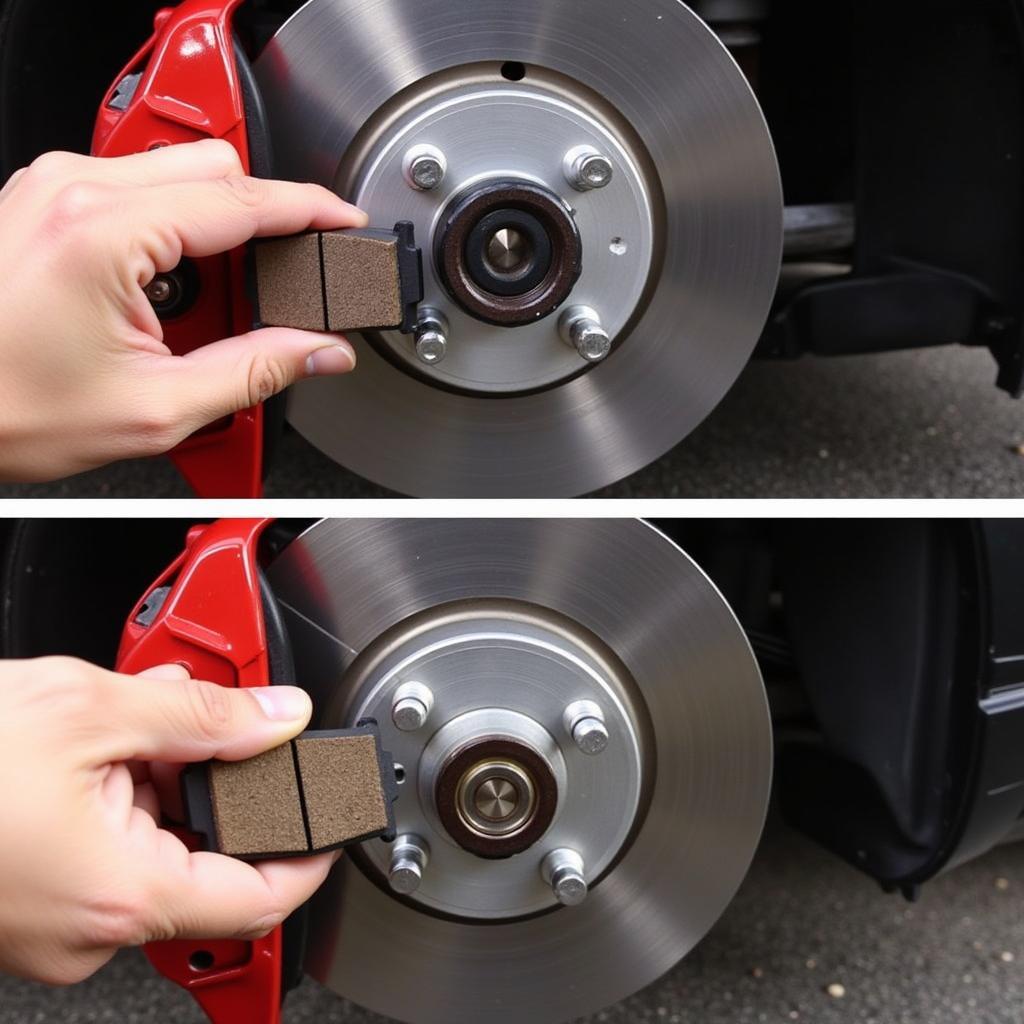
(344, 583)
(335, 63)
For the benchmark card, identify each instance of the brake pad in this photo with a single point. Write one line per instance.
(321, 791)
(350, 280)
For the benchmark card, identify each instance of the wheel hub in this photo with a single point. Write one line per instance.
(504, 145)
(509, 253)
(501, 676)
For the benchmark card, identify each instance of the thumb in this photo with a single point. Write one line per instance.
(184, 720)
(238, 373)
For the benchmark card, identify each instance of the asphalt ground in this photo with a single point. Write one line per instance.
(803, 923)
(927, 423)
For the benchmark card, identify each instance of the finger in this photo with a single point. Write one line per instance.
(12, 182)
(207, 160)
(117, 792)
(206, 218)
(145, 799)
(171, 672)
(188, 720)
(218, 897)
(239, 373)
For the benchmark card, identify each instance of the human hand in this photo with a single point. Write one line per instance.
(86, 376)
(85, 869)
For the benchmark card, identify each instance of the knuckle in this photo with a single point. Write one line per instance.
(77, 202)
(266, 377)
(66, 686)
(210, 709)
(117, 919)
(156, 429)
(52, 166)
(244, 191)
(224, 157)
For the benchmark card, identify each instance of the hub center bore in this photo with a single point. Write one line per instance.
(509, 252)
(496, 798)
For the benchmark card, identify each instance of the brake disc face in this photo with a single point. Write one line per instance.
(672, 236)
(510, 633)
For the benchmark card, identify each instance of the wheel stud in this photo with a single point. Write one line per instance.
(585, 168)
(584, 722)
(563, 871)
(431, 337)
(580, 326)
(408, 861)
(424, 167)
(411, 706)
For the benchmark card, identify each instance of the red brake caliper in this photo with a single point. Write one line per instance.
(205, 612)
(189, 90)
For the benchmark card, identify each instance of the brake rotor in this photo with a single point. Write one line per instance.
(500, 629)
(678, 251)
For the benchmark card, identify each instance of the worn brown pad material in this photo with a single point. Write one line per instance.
(329, 767)
(361, 282)
(256, 804)
(291, 291)
(322, 791)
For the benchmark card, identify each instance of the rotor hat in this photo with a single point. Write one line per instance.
(509, 252)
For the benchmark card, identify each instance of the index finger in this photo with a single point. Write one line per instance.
(212, 217)
(205, 160)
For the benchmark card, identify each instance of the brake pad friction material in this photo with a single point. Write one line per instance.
(361, 281)
(350, 280)
(257, 808)
(331, 766)
(321, 791)
(291, 290)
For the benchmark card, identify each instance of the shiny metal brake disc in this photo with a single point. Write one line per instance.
(576, 712)
(645, 155)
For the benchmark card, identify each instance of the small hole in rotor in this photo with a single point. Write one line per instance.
(400, 774)
(513, 71)
(201, 960)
